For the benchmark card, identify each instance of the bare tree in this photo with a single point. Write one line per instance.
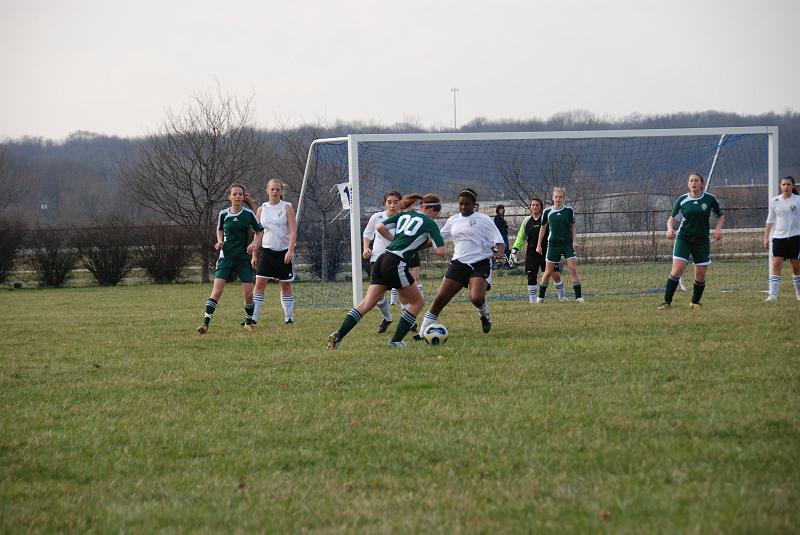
(526, 180)
(183, 172)
(10, 181)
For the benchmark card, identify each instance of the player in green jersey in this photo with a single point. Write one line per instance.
(691, 240)
(412, 231)
(561, 241)
(233, 230)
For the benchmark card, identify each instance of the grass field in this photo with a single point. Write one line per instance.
(607, 416)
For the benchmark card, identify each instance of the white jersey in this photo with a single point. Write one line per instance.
(276, 226)
(785, 215)
(474, 236)
(380, 243)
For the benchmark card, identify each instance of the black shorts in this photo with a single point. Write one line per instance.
(413, 260)
(391, 271)
(536, 262)
(462, 273)
(271, 266)
(786, 247)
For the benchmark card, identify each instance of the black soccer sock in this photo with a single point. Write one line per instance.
(577, 288)
(407, 320)
(542, 290)
(248, 313)
(672, 285)
(350, 321)
(697, 291)
(211, 306)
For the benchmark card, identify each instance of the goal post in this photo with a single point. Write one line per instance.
(620, 181)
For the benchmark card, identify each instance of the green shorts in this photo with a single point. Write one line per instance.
(242, 266)
(556, 250)
(698, 249)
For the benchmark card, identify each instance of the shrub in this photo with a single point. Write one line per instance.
(106, 250)
(10, 239)
(52, 257)
(164, 252)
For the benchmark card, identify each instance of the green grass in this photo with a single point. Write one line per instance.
(608, 416)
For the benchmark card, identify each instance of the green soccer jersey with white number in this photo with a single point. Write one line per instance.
(696, 214)
(236, 229)
(560, 225)
(412, 230)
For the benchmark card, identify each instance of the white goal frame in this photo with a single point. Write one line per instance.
(353, 141)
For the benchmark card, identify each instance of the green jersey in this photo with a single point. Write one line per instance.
(236, 229)
(560, 225)
(412, 230)
(696, 213)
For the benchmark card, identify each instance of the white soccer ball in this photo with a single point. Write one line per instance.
(435, 334)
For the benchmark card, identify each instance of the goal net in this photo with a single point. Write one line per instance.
(622, 185)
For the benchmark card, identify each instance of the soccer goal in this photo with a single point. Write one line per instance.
(621, 183)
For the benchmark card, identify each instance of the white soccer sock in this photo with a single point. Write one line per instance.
(394, 297)
(287, 302)
(383, 307)
(532, 293)
(796, 281)
(774, 285)
(484, 309)
(428, 319)
(421, 288)
(560, 292)
(258, 300)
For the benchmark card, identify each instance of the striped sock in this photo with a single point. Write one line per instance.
(211, 306)
(383, 307)
(258, 300)
(531, 293)
(350, 321)
(394, 297)
(428, 319)
(560, 293)
(248, 313)
(407, 319)
(796, 281)
(774, 285)
(287, 302)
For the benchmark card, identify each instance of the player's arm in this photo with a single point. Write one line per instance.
(381, 229)
(520, 241)
(574, 236)
(219, 232)
(253, 246)
(718, 228)
(436, 238)
(292, 224)
(541, 237)
(367, 237)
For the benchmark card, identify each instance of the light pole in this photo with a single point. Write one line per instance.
(454, 90)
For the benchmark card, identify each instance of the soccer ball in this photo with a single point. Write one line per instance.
(435, 334)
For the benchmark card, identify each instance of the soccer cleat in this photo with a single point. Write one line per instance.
(203, 329)
(383, 326)
(417, 337)
(486, 324)
(664, 306)
(399, 345)
(771, 298)
(565, 298)
(289, 321)
(580, 300)
(695, 305)
(334, 339)
(249, 327)
(539, 300)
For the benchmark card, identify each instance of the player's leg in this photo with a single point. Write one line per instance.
(374, 294)
(699, 284)
(211, 304)
(796, 276)
(258, 296)
(247, 277)
(478, 286)
(287, 301)
(414, 303)
(532, 265)
(680, 257)
(775, 268)
(548, 273)
(447, 290)
(572, 265)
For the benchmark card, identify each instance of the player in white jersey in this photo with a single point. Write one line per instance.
(783, 222)
(477, 240)
(276, 252)
(375, 245)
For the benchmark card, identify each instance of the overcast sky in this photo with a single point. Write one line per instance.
(115, 67)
